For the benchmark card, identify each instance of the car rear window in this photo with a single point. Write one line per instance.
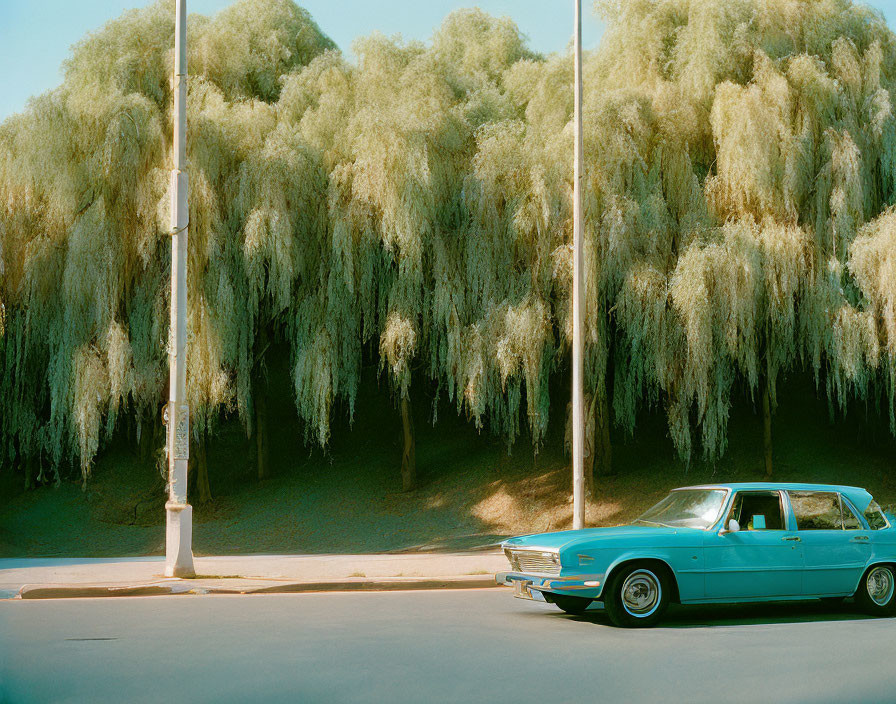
(816, 510)
(875, 517)
(850, 520)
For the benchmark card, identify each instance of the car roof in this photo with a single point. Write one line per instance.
(859, 496)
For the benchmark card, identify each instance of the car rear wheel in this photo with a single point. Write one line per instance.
(574, 605)
(877, 591)
(637, 596)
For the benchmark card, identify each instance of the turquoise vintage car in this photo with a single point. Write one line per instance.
(717, 543)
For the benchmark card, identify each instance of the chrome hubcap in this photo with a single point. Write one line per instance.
(641, 593)
(880, 585)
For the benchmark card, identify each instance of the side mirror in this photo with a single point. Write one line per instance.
(732, 527)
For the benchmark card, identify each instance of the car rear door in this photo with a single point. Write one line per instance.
(836, 544)
(754, 563)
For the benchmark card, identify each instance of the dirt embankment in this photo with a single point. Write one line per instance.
(471, 491)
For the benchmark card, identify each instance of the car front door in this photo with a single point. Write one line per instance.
(763, 559)
(836, 545)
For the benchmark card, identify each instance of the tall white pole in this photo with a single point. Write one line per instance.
(179, 525)
(578, 286)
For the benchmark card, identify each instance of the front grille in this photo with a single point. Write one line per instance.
(533, 561)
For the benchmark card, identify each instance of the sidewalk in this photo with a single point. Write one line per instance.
(44, 578)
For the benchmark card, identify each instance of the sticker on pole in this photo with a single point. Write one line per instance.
(182, 432)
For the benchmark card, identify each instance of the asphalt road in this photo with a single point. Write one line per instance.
(449, 646)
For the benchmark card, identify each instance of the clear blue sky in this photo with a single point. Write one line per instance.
(35, 35)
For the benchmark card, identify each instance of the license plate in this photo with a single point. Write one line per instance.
(521, 589)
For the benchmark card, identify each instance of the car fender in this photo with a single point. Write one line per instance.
(875, 560)
(636, 555)
(883, 547)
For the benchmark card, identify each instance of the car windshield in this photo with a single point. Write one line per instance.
(686, 508)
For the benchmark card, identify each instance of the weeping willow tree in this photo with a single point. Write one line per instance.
(412, 209)
(747, 143)
(84, 186)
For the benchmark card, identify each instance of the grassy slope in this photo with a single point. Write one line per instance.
(471, 491)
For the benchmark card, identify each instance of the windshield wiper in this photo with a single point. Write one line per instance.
(654, 523)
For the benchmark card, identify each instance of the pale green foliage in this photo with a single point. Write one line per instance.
(779, 112)
(479, 47)
(84, 186)
(247, 47)
(873, 264)
(128, 55)
(412, 209)
(716, 291)
(398, 344)
(750, 125)
(88, 399)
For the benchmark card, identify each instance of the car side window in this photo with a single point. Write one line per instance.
(816, 510)
(757, 510)
(875, 517)
(850, 520)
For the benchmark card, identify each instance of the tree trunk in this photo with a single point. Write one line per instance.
(155, 433)
(261, 430)
(202, 485)
(147, 437)
(261, 406)
(408, 455)
(767, 427)
(30, 474)
(603, 449)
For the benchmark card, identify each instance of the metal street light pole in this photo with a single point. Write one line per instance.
(578, 285)
(179, 524)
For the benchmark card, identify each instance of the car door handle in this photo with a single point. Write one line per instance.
(859, 539)
(795, 538)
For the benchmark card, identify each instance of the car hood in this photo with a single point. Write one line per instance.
(618, 535)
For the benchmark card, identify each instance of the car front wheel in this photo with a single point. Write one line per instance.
(876, 592)
(637, 596)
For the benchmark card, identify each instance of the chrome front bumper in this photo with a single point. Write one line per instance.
(585, 585)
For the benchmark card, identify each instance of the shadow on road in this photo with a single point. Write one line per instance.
(714, 615)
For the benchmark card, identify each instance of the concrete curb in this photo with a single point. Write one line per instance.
(177, 587)
(383, 584)
(89, 591)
